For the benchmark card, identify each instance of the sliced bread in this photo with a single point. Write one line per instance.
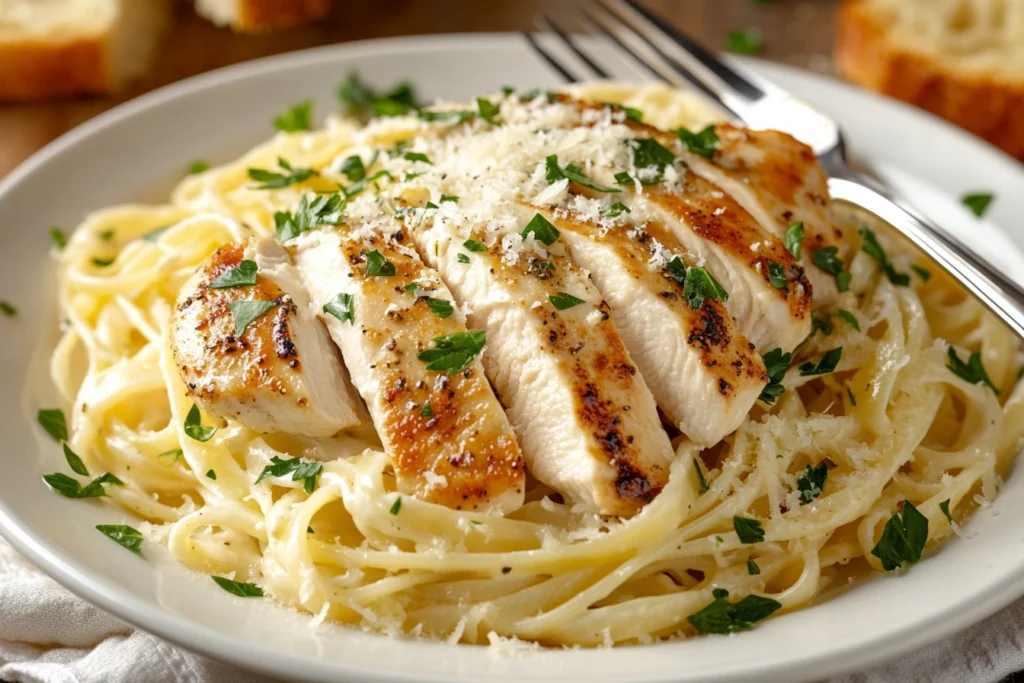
(960, 59)
(257, 16)
(52, 48)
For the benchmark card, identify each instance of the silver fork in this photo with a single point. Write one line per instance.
(673, 56)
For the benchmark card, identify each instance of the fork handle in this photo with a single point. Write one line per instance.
(1000, 294)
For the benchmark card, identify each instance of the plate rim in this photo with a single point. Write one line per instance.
(220, 646)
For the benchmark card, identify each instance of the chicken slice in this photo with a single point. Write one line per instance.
(587, 422)
(779, 181)
(704, 374)
(282, 373)
(719, 234)
(445, 431)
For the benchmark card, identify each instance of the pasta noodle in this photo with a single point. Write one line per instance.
(894, 422)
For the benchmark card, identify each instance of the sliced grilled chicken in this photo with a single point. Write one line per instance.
(703, 372)
(281, 373)
(445, 431)
(780, 182)
(721, 235)
(587, 422)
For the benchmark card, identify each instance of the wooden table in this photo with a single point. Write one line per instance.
(798, 32)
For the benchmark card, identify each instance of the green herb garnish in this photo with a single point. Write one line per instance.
(812, 482)
(541, 229)
(944, 506)
(396, 506)
(296, 118)
(554, 173)
(745, 41)
(70, 488)
(124, 535)
(358, 99)
(473, 245)
(300, 469)
(702, 143)
(701, 480)
(321, 210)
(442, 308)
(563, 301)
(903, 538)
(377, 265)
(701, 285)
(873, 248)
(245, 312)
(850, 318)
(777, 275)
(74, 462)
(341, 308)
(242, 590)
(273, 180)
(722, 616)
(794, 239)
(616, 210)
(57, 238)
(776, 363)
(827, 364)
(242, 275)
(7, 309)
(194, 426)
(453, 352)
(826, 258)
(752, 568)
(977, 203)
(748, 530)
(54, 423)
(973, 371)
(488, 110)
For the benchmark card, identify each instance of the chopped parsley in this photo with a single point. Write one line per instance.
(853, 399)
(377, 265)
(649, 153)
(944, 506)
(54, 423)
(242, 275)
(124, 535)
(554, 173)
(812, 482)
(7, 309)
(701, 480)
(488, 110)
(360, 100)
(245, 312)
(341, 308)
(273, 180)
(675, 270)
(353, 168)
(873, 248)
(442, 308)
(426, 410)
(462, 258)
(153, 235)
(978, 203)
(922, 273)
(722, 616)
(821, 324)
(102, 262)
(973, 371)
(107, 235)
(616, 210)
(57, 238)
(748, 530)
(296, 118)
(474, 245)
(776, 363)
(300, 469)
(752, 568)
(849, 318)
(702, 143)
(631, 113)
(827, 364)
(777, 275)
(321, 210)
(74, 462)
(417, 156)
(745, 41)
(450, 116)
(210, 474)
(701, 286)
(197, 166)
(454, 199)
(453, 352)
(396, 506)
(194, 426)
(794, 239)
(903, 538)
(242, 590)
(563, 301)
(70, 488)
(174, 454)
(541, 229)
(826, 259)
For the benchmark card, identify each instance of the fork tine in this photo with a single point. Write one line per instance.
(656, 61)
(549, 58)
(568, 41)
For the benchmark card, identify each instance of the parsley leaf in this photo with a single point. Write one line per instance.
(245, 312)
(648, 152)
(396, 506)
(944, 506)
(853, 399)
(102, 262)
(242, 275)
(176, 452)
(826, 259)
(453, 352)
(745, 41)
(54, 423)
(700, 476)
(299, 469)
(554, 173)
(473, 245)
(442, 308)
(197, 166)
(873, 248)
(210, 474)
(7, 309)
(922, 273)
(616, 210)
(777, 275)
(417, 156)
(126, 536)
(341, 308)
(702, 143)
(376, 264)
(701, 286)
(826, 365)
(794, 239)
(462, 258)
(752, 568)
(296, 118)
(631, 113)
(74, 462)
(903, 538)
(675, 270)
(194, 426)
(722, 616)
(850, 318)
(812, 482)
(358, 99)
(449, 198)
(242, 590)
(776, 363)
(57, 238)
(977, 203)
(70, 488)
(748, 530)
(563, 301)
(542, 230)
(972, 371)
(488, 110)
(322, 210)
(450, 116)
(275, 181)
(426, 410)
(820, 324)
(353, 168)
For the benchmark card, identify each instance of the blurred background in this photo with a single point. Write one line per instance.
(58, 92)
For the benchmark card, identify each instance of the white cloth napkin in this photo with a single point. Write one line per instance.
(47, 635)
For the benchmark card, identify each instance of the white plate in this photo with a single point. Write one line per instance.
(137, 150)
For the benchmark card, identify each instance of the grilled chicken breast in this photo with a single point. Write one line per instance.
(587, 422)
(703, 372)
(779, 181)
(281, 373)
(444, 429)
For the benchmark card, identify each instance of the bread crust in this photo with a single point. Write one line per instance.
(983, 104)
(256, 16)
(32, 70)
